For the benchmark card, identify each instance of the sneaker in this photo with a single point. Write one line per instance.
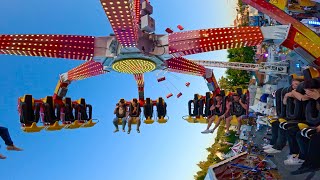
(271, 151)
(205, 131)
(13, 148)
(291, 156)
(116, 130)
(138, 131)
(212, 130)
(129, 131)
(123, 130)
(293, 161)
(267, 146)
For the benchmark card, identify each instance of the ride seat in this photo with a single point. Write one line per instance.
(51, 114)
(161, 110)
(68, 110)
(29, 114)
(131, 111)
(83, 111)
(148, 111)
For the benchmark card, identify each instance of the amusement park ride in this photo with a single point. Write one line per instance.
(136, 49)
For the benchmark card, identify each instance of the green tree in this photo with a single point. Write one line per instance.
(224, 84)
(239, 77)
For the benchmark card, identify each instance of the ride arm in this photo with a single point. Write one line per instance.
(53, 46)
(124, 17)
(85, 70)
(300, 38)
(140, 83)
(185, 66)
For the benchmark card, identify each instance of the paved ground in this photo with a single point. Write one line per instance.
(278, 159)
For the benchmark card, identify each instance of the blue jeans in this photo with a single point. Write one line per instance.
(124, 122)
(4, 133)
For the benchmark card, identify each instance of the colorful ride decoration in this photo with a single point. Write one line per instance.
(132, 48)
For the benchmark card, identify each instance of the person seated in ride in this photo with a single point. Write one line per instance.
(217, 108)
(120, 112)
(282, 134)
(310, 147)
(294, 94)
(4, 133)
(134, 113)
(295, 157)
(238, 106)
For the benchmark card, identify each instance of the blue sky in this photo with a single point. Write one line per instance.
(169, 151)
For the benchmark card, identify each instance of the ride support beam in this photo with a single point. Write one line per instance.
(301, 35)
(83, 71)
(140, 83)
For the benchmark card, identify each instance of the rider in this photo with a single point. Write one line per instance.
(218, 108)
(4, 133)
(120, 112)
(238, 106)
(134, 113)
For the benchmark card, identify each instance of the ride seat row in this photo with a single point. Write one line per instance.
(73, 115)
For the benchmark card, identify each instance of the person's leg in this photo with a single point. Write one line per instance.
(303, 143)
(115, 123)
(311, 163)
(314, 149)
(124, 122)
(210, 121)
(239, 119)
(294, 158)
(138, 124)
(282, 139)
(292, 141)
(220, 118)
(4, 133)
(274, 131)
(228, 122)
(129, 125)
(280, 142)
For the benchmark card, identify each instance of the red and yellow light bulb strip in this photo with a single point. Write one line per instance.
(204, 40)
(85, 70)
(55, 46)
(122, 17)
(185, 66)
